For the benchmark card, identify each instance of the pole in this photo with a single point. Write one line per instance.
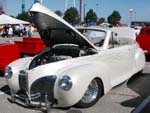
(130, 11)
(66, 4)
(135, 15)
(74, 4)
(84, 12)
(80, 10)
(97, 5)
(130, 18)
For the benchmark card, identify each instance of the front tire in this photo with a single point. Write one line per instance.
(92, 94)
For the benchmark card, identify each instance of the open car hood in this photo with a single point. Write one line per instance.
(55, 30)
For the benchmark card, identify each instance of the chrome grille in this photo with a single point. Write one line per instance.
(44, 86)
(23, 80)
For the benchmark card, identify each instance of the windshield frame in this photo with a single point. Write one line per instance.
(98, 43)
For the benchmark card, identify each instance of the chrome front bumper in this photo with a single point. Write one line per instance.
(27, 101)
(39, 95)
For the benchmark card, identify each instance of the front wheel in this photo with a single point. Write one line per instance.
(92, 94)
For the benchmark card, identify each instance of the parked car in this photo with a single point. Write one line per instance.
(30, 46)
(11, 51)
(8, 53)
(144, 39)
(78, 66)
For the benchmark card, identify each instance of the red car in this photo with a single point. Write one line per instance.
(8, 53)
(12, 51)
(144, 40)
(30, 46)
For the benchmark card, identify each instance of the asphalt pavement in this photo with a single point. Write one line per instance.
(124, 98)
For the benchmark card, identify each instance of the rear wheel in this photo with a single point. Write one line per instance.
(92, 94)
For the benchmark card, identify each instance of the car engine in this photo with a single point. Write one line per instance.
(56, 53)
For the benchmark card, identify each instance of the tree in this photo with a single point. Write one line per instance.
(101, 20)
(72, 16)
(24, 16)
(114, 18)
(90, 16)
(59, 13)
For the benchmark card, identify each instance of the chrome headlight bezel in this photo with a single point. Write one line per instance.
(8, 72)
(65, 83)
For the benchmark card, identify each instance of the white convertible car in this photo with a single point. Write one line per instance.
(78, 66)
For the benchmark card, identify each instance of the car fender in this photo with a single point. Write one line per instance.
(140, 59)
(19, 64)
(80, 83)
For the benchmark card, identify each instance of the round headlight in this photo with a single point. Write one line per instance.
(8, 72)
(65, 83)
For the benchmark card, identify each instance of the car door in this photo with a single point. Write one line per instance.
(119, 59)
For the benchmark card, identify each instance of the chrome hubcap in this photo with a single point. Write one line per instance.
(91, 93)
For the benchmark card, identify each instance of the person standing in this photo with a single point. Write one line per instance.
(10, 31)
(5, 31)
(30, 31)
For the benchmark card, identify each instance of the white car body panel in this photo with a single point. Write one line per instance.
(111, 65)
(124, 32)
(19, 64)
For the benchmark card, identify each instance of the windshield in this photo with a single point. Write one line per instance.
(97, 37)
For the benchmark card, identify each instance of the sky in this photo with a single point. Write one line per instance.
(103, 8)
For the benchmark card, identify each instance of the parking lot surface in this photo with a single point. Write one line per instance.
(124, 98)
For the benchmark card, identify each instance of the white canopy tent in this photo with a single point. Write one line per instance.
(5, 19)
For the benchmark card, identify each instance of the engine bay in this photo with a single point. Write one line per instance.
(60, 52)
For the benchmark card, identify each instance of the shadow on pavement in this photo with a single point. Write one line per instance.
(74, 111)
(5, 89)
(133, 102)
(147, 57)
(139, 83)
(1, 74)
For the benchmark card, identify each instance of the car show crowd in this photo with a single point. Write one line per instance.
(19, 30)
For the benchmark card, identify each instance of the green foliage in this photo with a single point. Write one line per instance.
(24, 16)
(91, 16)
(101, 20)
(114, 18)
(59, 13)
(71, 15)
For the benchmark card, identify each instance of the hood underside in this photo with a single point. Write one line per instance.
(54, 30)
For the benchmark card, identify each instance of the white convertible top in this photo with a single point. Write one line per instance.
(124, 32)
